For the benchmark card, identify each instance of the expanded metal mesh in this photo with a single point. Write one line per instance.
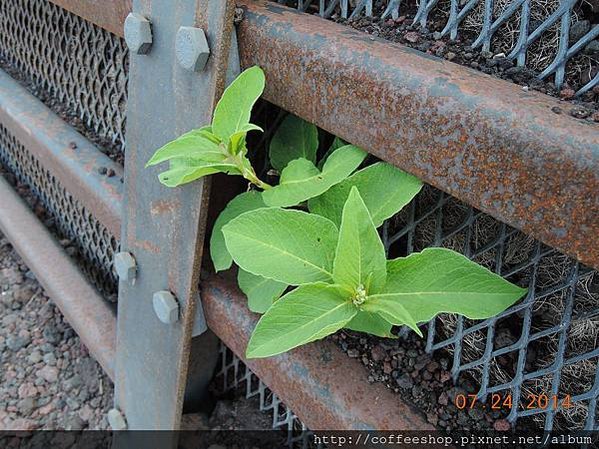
(524, 29)
(95, 244)
(83, 66)
(547, 344)
(233, 375)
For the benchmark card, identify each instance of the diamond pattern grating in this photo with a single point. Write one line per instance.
(94, 243)
(83, 66)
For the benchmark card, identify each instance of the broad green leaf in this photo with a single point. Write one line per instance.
(384, 189)
(241, 203)
(295, 138)
(439, 280)
(371, 323)
(184, 174)
(288, 246)
(337, 143)
(261, 292)
(360, 256)
(232, 113)
(204, 131)
(391, 310)
(301, 180)
(308, 313)
(189, 146)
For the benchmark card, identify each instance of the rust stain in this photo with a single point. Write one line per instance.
(169, 206)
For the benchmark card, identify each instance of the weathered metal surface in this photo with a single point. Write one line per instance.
(107, 14)
(69, 156)
(164, 228)
(324, 388)
(481, 139)
(90, 316)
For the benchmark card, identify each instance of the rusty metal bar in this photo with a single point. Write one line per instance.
(486, 141)
(92, 318)
(324, 388)
(69, 156)
(107, 14)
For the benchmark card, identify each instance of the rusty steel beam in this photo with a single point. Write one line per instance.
(324, 388)
(107, 14)
(486, 141)
(69, 156)
(88, 313)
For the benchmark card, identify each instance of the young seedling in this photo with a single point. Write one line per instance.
(314, 272)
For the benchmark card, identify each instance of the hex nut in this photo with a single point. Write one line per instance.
(116, 420)
(191, 48)
(138, 33)
(125, 266)
(166, 307)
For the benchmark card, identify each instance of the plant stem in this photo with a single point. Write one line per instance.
(251, 176)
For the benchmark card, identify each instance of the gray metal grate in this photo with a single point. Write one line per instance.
(80, 64)
(545, 344)
(233, 375)
(537, 30)
(94, 242)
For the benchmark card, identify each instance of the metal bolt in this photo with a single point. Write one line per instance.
(166, 307)
(191, 48)
(125, 266)
(138, 33)
(116, 419)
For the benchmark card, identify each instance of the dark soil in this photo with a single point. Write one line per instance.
(421, 379)
(112, 150)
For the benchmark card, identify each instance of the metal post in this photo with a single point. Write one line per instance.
(163, 229)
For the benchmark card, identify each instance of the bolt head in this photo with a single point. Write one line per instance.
(125, 266)
(166, 307)
(192, 48)
(116, 420)
(138, 33)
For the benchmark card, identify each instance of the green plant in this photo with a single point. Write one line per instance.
(309, 254)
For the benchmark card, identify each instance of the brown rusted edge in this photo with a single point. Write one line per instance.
(87, 312)
(69, 156)
(486, 141)
(107, 14)
(326, 389)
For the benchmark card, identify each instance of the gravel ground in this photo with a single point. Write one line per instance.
(48, 379)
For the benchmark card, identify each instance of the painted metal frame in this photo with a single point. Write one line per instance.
(164, 228)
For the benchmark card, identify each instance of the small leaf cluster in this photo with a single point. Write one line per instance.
(221, 146)
(309, 253)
